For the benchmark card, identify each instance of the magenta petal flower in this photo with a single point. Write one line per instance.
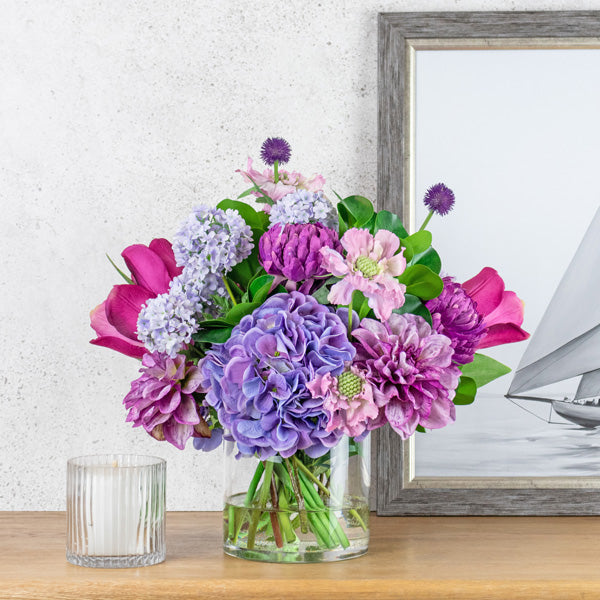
(293, 250)
(162, 401)
(371, 266)
(455, 314)
(411, 369)
(109, 336)
(348, 398)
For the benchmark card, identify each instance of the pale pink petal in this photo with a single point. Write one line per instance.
(315, 183)
(396, 265)
(386, 244)
(486, 289)
(510, 310)
(357, 242)
(333, 262)
(341, 293)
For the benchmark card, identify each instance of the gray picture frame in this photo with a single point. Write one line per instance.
(398, 491)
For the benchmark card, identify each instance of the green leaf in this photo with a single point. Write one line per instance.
(127, 279)
(260, 288)
(360, 208)
(234, 316)
(246, 193)
(346, 219)
(246, 211)
(416, 244)
(465, 392)
(484, 369)
(214, 324)
(421, 281)
(321, 294)
(213, 336)
(242, 273)
(430, 258)
(413, 305)
(389, 221)
(264, 220)
(421, 429)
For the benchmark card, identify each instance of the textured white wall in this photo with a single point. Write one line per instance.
(116, 117)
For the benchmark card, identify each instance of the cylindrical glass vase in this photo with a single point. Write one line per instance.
(298, 509)
(116, 510)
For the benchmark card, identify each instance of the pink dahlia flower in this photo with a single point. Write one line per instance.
(348, 398)
(411, 369)
(162, 401)
(502, 311)
(115, 320)
(371, 266)
(288, 182)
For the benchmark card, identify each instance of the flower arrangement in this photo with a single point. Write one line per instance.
(285, 329)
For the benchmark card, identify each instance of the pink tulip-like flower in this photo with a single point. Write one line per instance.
(371, 266)
(288, 182)
(502, 311)
(348, 398)
(115, 320)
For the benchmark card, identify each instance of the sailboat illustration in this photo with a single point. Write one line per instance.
(566, 343)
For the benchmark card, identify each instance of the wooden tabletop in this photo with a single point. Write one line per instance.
(413, 557)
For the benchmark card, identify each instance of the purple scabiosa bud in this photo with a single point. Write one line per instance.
(293, 250)
(455, 315)
(439, 199)
(275, 149)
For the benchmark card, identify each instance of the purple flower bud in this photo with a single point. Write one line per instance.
(439, 198)
(293, 250)
(275, 149)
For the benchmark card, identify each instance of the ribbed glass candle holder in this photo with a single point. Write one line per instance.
(116, 510)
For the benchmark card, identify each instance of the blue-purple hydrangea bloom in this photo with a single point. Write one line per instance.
(257, 379)
(212, 239)
(303, 206)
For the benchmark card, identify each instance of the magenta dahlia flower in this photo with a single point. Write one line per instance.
(411, 369)
(455, 315)
(293, 250)
(371, 266)
(162, 401)
(348, 398)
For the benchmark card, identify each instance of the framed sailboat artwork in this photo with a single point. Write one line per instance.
(503, 108)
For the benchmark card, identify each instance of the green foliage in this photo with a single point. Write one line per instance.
(387, 220)
(465, 392)
(414, 305)
(422, 282)
(234, 316)
(125, 277)
(430, 258)
(416, 243)
(246, 211)
(484, 369)
(346, 220)
(217, 335)
(260, 287)
(360, 208)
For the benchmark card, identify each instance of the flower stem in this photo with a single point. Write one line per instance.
(276, 171)
(263, 496)
(350, 314)
(286, 525)
(229, 290)
(426, 221)
(273, 514)
(299, 498)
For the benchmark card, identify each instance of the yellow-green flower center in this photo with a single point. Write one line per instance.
(349, 384)
(367, 266)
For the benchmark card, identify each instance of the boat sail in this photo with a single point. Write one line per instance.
(566, 343)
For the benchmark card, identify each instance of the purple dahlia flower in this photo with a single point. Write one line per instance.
(410, 367)
(455, 315)
(293, 250)
(162, 400)
(275, 149)
(257, 380)
(439, 198)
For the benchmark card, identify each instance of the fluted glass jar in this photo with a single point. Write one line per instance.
(298, 509)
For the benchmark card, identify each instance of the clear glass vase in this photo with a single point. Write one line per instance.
(298, 509)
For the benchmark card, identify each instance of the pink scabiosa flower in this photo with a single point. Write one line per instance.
(411, 369)
(502, 311)
(454, 314)
(293, 250)
(162, 401)
(288, 182)
(371, 266)
(348, 398)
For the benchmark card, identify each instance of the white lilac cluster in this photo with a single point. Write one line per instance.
(209, 244)
(303, 206)
(212, 239)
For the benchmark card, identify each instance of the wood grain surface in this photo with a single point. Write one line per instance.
(410, 557)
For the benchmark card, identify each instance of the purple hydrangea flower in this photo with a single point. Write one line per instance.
(439, 198)
(294, 250)
(455, 315)
(411, 369)
(162, 401)
(303, 206)
(275, 149)
(206, 444)
(257, 380)
(213, 240)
